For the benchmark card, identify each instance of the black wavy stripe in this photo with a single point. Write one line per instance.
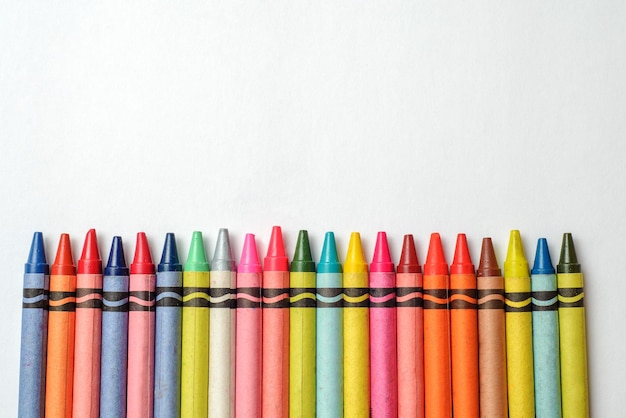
(481, 293)
(570, 292)
(517, 296)
(552, 307)
(466, 292)
(461, 304)
(527, 308)
(132, 306)
(379, 292)
(216, 292)
(403, 291)
(272, 293)
(338, 304)
(284, 303)
(544, 295)
(227, 304)
(295, 291)
(121, 308)
(255, 292)
(196, 303)
(577, 304)
(416, 302)
(437, 293)
(169, 289)
(169, 302)
(85, 291)
(492, 304)
(114, 296)
(33, 293)
(90, 304)
(142, 294)
(391, 303)
(355, 292)
(66, 307)
(329, 292)
(190, 290)
(42, 304)
(56, 295)
(246, 303)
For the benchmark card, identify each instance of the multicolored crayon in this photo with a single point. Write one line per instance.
(383, 356)
(168, 331)
(519, 331)
(275, 341)
(409, 300)
(34, 335)
(62, 306)
(329, 341)
(88, 334)
(222, 330)
(141, 317)
(113, 376)
(572, 332)
(302, 330)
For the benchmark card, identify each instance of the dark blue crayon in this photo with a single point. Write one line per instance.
(114, 334)
(34, 332)
(167, 344)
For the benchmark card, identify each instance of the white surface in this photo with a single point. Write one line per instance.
(409, 117)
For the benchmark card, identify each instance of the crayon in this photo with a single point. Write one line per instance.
(356, 336)
(463, 332)
(383, 356)
(329, 323)
(574, 390)
(410, 330)
(519, 331)
(113, 376)
(248, 333)
(437, 373)
(302, 330)
(61, 316)
(34, 332)
(194, 391)
(545, 334)
(168, 331)
(491, 335)
(88, 334)
(222, 330)
(275, 340)
(141, 316)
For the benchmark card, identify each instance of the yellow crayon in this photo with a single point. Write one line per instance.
(519, 331)
(356, 371)
(195, 332)
(574, 390)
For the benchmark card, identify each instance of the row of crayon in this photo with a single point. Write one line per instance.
(381, 342)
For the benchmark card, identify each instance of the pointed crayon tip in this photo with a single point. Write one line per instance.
(63, 263)
(435, 264)
(89, 261)
(381, 261)
(249, 262)
(355, 261)
(169, 256)
(568, 262)
(276, 259)
(116, 266)
(36, 262)
(462, 261)
(488, 265)
(543, 263)
(329, 260)
(223, 259)
(515, 264)
(302, 259)
(196, 259)
(142, 263)
(408, 259)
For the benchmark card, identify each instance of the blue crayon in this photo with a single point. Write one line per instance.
(114, 334)
(329, 342)
(167, 343)
(34, 331)
(545, 334)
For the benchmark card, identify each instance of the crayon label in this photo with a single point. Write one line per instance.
(196, 297)
(169, 296)
(276, 298)
(356, 297)
(490, 298)
(302, 297)
(221, 297)
(330, 297)
(545, 300)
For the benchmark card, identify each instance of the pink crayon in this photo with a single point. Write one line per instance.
(248, 333)
(140, 389)
(383, 360)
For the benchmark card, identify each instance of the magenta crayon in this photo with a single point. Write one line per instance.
(88, 332)
(141, 319)
(248, 333)
(383, 360)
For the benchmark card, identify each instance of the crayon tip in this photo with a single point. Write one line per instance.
(568, 262)
(116, 266)
(36, 262)
(276, 259)
(302, 259)
(488, 265)
(89, 261)
(196, 259)
(543, 263)
(515, 264)
(169, 256)
(223, 257)
(249, 262)
(435, 264)
(381, 261)
(408, 259)
(355, 261)
(329, 260)
(142, 263)
(63, 263)
(462, 261)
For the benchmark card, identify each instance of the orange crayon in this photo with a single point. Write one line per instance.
(62, 306)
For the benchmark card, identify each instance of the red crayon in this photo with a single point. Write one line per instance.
(88, 330)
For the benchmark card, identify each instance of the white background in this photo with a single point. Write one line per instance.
(408, 117)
